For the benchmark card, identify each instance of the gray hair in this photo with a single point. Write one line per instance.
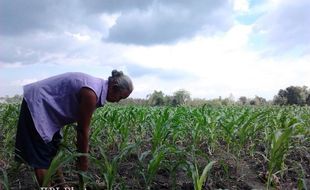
(122, 81)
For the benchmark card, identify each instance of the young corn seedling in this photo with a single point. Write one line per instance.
(8, 123)
(152, 166)
(160, 129)
(109, 170)
(280, 141)
(4, 181)
(199, 179)
(108, 167)
(248, 129)
(302, 184)
(60, 159)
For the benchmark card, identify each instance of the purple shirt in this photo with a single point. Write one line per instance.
(53, 102)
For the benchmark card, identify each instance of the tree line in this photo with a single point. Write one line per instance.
(292, 95)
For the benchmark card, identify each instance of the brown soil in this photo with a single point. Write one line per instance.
(229, 172)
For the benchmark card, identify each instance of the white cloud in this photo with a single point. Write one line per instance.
(109, 19)
(199, 53)
(166, 22)
(222, 65)
(285, 27)
(241, 5)
(78, 36)
(11, 65)
(195, 45)
(23, 82)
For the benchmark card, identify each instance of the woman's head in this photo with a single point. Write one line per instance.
(119, 86)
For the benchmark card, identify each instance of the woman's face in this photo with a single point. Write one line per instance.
(114, 95)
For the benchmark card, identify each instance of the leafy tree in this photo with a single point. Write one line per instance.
(228, 101)
(308, 100)
(156, 98)
(168, 100)
(295, 95)
(292, 95)
(258, 101)
(281, 98)
(180, 97)
(15, 99)
(133, 101)
(197, 102)
(243, 100)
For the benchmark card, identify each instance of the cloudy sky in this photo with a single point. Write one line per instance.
(209, 48)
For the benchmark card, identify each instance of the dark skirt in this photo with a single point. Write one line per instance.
(29, 146)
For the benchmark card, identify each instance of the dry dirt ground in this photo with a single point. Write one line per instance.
(229, 172)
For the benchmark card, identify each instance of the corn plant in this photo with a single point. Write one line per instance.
(108, 167)
(160, 127)
(248, 128)
(280, 142)
(302, 184)
(153, 164)
(227, 123)
(199, 179)
(60, 159)
(8, 123)
(170, 139)
(4, 181)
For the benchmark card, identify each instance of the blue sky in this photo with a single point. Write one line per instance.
(210, 48)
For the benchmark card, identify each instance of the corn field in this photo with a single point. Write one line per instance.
(207, 147)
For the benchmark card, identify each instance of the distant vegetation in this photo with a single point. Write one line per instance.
(293, 95)
(14, 99)
(176, 142)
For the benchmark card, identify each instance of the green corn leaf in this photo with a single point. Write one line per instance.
(5, 180)
(203, 176)
(60, 159)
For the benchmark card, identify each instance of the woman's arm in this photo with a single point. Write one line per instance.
(87, 106)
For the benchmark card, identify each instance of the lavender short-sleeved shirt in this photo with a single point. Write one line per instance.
(53, 102)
